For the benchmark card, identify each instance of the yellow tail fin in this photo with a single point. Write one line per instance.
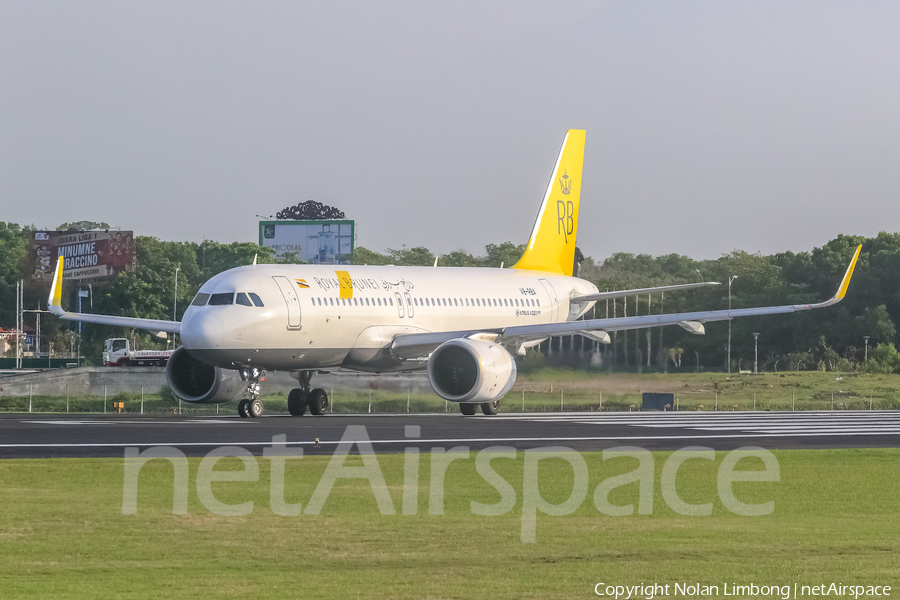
(551, 247)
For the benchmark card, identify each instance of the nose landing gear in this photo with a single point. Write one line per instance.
(252, 407)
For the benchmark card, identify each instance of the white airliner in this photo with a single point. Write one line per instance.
(464, 325)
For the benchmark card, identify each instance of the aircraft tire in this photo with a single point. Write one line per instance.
(468, 409)
(242, 408)
(490, 408)
(296, 402)
(255, 408)
(318, 401)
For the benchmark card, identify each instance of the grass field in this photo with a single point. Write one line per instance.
(545, 390)
(63, 534)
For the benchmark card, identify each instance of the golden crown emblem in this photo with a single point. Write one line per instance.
(565, 183)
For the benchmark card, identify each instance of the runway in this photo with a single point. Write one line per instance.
(31, 436)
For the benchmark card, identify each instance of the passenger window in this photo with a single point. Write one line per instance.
(242, 299)
(367, 301)
(200, 299)
(355, 302)
(331, 301)
(222, 299)
(256, 299)
(455, 303)
(391, 300)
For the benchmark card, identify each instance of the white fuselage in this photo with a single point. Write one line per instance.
(316, 316)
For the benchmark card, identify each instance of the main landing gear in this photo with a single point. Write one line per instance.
(253, 406)
(299, 399)
(488, 408)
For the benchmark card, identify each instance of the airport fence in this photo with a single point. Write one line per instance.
(133, 399)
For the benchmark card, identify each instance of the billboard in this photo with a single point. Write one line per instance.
(90, 256)
(315, 242)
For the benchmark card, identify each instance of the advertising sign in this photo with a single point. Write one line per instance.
(90, 256)
(315, 242)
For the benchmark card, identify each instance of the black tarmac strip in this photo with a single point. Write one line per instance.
(46, 436)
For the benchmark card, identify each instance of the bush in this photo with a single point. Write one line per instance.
(884, 359)
(531, 362)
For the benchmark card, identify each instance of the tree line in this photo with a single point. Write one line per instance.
(831, 339)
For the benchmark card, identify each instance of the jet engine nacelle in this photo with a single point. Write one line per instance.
(195, 381)
(465, 370)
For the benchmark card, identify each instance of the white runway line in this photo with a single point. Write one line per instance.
(824, 423)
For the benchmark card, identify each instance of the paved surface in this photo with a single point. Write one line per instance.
(29, 436)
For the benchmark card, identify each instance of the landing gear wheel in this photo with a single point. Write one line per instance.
(297, 402)
(255, 408)
(490, 408)
(318, 401)
(242, 408)
(468, 409)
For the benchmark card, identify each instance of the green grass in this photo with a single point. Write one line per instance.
(62, 533)
(543, 391)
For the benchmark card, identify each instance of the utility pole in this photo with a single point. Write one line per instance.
(175, 303)
(648, 332)
(662, 306)
(755, 352)
(866, 340)
(18, 322)
(730, 279)
(625, 333)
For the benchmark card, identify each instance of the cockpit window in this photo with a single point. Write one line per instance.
(242, 299)
(200, 299)
(221, 299)
(256, 300)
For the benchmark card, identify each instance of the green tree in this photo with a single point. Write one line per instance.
(458, 258)
(883, 358)
(417, 256)
(15, 243)
(364, 256)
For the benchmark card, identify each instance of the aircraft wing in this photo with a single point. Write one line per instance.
(623, 293)
(55, 300)
(414, 345)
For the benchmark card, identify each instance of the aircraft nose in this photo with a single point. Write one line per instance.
(201, 332)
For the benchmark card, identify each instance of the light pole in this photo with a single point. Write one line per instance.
(755, 352)
(175, 303)
(730, 279)
(866, 340)
(700, 274)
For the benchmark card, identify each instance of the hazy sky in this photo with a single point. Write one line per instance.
(711, 126)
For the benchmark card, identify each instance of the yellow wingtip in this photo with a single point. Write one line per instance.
(845, 282)
(56, 289)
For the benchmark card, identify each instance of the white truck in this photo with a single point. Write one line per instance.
(118, 353)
